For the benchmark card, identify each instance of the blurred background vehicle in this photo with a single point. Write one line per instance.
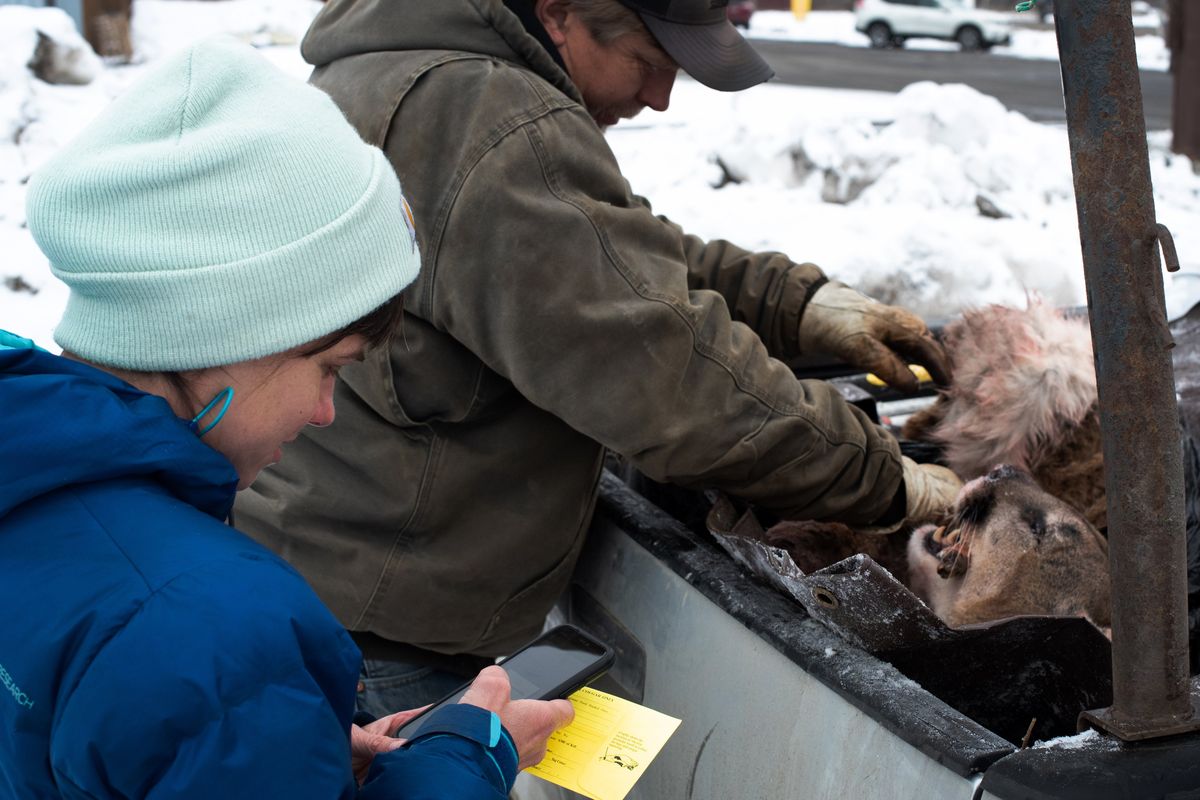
(740, 11)
(889, 23)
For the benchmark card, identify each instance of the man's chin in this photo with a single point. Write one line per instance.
(606, 119)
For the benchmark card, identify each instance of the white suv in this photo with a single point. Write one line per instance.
(889, 22)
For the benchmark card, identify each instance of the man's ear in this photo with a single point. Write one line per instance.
(553, 14)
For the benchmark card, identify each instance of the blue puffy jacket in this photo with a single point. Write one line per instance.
(150, 651)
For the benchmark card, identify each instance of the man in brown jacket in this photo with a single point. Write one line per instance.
(555, 317)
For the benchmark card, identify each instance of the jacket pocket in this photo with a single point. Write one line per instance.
(425, 377)
(520, 619)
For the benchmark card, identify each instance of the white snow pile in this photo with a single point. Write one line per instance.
(64, 57)
(37, 117)
(949, 147)
(161, 27)
(936, 198)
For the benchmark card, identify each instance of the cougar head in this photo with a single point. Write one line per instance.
(1011, 549)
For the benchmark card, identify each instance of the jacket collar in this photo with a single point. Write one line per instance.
(67, 423)
(346, 28)
(533, 26)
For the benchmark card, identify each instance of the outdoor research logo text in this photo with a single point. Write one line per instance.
(18, 695)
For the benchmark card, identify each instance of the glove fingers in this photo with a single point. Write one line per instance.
(886, 365)
(908, 335)
(926, 351)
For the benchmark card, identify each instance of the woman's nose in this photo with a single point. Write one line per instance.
(323, 413)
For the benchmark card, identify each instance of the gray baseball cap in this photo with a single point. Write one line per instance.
(702, 40)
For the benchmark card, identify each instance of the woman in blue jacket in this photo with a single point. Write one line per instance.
(229, 243)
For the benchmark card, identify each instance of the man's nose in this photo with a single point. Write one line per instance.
(656, 91)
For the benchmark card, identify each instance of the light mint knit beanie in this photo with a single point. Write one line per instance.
(218, 211)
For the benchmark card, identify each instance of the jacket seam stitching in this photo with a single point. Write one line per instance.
(499, 134)
(748, 387)
(385, 577)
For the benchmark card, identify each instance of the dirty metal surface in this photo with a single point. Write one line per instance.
(1096, 767)
(919, 718)
(1020, 677)
(1138, 415)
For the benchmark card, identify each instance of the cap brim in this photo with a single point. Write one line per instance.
(715, 55)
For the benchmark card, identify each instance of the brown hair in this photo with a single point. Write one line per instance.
(376, 327)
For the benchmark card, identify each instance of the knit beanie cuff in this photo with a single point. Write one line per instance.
(218, 211)
(333, 279)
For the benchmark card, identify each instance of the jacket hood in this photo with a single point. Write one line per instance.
(66, 423)
(346, 28)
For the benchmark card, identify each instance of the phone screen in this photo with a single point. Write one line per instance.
(552, 666)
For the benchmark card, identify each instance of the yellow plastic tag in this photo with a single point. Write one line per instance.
(921, 373)
(608, 746)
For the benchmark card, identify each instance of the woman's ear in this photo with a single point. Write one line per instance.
(554, 16)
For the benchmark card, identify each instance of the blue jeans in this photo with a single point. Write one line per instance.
(385, 687)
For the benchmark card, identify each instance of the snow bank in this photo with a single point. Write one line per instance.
(160, 27)
(884, 191)
(37, 118)
(21, 27)
(936, 198)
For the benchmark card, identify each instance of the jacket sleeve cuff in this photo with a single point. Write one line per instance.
(476, 725)
(897, 511)
(803, 281)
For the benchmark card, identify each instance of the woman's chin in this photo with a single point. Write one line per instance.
(249, 476)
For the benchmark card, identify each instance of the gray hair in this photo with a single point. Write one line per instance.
(607, 20)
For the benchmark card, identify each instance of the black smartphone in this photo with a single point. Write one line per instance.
(554, 665)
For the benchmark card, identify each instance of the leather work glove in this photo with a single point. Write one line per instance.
(929, 489)
(872, 336)
(929, 494)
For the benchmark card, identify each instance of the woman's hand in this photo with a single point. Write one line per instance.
(369, 740)
(529, 722)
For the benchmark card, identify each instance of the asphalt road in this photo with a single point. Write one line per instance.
(1032, 87)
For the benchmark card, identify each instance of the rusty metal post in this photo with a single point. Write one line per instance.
(1140, 426)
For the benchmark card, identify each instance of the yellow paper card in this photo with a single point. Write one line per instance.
(608, 746)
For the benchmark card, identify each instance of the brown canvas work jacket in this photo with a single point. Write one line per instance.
(555, 316)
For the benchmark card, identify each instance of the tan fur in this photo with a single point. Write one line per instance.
(1013, 550)
(1024, 393)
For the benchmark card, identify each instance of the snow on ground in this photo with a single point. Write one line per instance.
(837, 27)
(37, 118)
(1090, 739)
(884, 191)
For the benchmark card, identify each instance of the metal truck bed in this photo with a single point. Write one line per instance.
(775, 705)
